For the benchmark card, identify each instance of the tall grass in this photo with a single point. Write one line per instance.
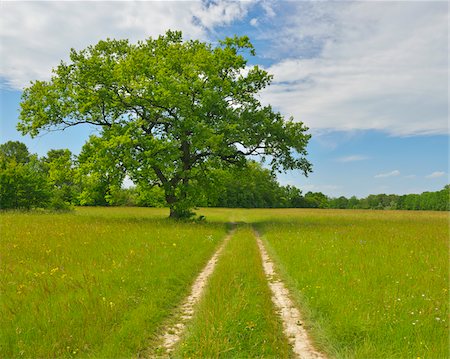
(373, 284)
(236, 318)
(97, 282)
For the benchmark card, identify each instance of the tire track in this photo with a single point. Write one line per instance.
(173, 333)
(290, 315)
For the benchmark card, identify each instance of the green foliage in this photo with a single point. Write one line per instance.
(250, 186)
(14, 151)
(149, 197)
(60, 181)
(27, 181)
(100, 172)
(59, 168)
(23, 183)
(315, 200)
(291, 196)
(166, 107)
(427, 201)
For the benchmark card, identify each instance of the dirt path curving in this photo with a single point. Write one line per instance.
(290, 315)
(173, 333)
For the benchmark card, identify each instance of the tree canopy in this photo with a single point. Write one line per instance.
(168, 110)
(22, 182)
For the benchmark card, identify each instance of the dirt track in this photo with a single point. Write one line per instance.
(173, 333)
(289, 314)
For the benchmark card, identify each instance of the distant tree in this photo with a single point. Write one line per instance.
(353, 203)
(291, 197)
(251, 186)
(122, 197)
(59, 168)
(316, 200)
(150, 197)
(341, 202)
(437, 201)
(100, 173)
(14, 151)
(23, 183)
(443, 200)
(169, 106)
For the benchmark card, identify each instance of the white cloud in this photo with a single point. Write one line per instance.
(364, 66)
(223, 12)
(388, 174)
(268, 8)
(352, 158)
(35, 36)
(346, 65)
(254, 22)
(436, 174)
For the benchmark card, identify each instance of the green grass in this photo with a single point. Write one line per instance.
(372, 284)
(236, 318)
(100, 282)
(97, 282)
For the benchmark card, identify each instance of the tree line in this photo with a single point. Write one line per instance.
(60, 180)
(426, 201)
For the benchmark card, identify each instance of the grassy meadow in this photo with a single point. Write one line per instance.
(100, 282)
(97, 282)
(372, 284)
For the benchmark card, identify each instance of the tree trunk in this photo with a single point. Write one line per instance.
(178, 208)
(176, 188)
(180, 213)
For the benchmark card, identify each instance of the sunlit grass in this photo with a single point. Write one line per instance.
(236, 317)
(99, 282)
(372, 284)
(95, 282)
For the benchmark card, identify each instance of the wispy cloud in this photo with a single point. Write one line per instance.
(388, 174)
(364, 65)
(436, 174)
(74, 24)
(338, 65)
(352, 158)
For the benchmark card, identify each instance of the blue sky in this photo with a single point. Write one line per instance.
(370, 79)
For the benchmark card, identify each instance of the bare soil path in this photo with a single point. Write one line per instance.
(290, 315)
(288, 312)
(173, 333)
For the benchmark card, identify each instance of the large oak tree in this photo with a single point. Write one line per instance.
(168, 110)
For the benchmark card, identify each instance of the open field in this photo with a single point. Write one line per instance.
(100, 282)
(373, 284)
(96, 282)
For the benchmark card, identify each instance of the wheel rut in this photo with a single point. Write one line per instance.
(290, 315)
(173, 333)
(288, 312)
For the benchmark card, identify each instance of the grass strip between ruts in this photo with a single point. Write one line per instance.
(236, 317)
